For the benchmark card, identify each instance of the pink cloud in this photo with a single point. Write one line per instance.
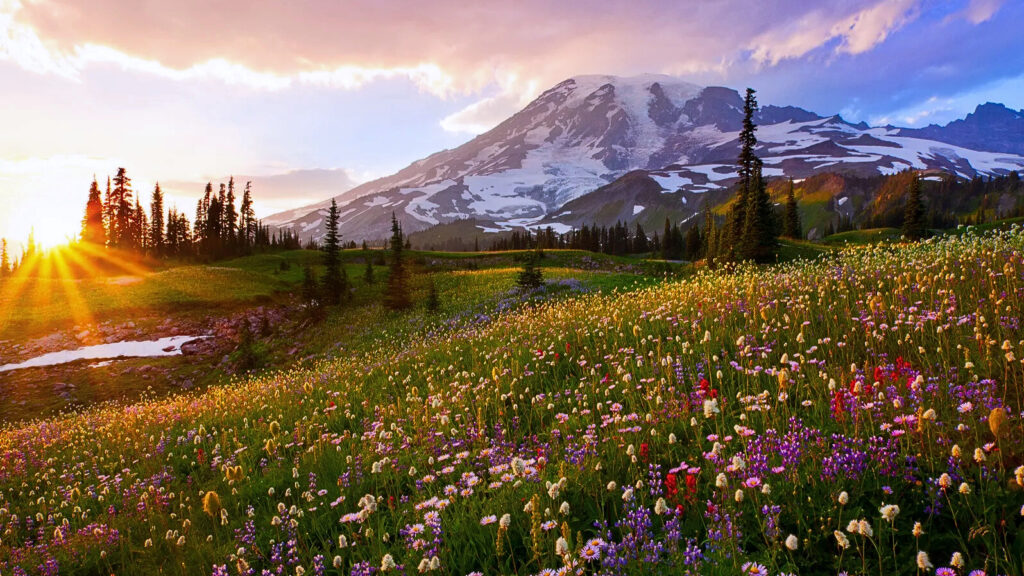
(445, 46)
(467, 42)
(978, 11)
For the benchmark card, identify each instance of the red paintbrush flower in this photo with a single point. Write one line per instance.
(671, 488)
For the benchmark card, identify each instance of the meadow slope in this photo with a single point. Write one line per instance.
(861, 413)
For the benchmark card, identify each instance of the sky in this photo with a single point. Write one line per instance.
(309, 97)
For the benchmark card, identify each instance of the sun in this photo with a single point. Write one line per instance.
(48, 237)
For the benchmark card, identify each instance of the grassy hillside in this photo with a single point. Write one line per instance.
(861, 412)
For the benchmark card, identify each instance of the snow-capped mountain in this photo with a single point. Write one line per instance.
(589, 131)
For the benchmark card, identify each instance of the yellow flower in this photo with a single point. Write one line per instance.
(996, 419)
(211, 504)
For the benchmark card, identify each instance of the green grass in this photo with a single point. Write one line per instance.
(860, 372)
(790, 249)
(33, 305)
(1004, 224)
(866, 236)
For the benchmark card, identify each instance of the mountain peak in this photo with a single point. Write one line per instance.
(590, 130)
(994, 111)
(578, 88)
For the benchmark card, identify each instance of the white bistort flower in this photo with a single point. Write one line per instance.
(889, 512)
(923, 562)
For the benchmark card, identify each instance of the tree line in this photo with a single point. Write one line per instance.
(224, 226)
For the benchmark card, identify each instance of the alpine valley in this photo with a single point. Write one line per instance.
(606, 149)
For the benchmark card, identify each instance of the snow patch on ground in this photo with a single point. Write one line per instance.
(671, 182)
(637, 209)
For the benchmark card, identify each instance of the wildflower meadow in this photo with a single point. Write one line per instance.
(860, 413)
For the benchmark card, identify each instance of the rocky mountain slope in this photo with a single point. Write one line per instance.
(559, 161)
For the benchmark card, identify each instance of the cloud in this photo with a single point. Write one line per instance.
(504, 52)
(978, 11)
(856, 31)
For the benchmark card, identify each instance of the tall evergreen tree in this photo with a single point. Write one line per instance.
(156, 221)
(230, 216)
(760, 237)
(693, 242)
(334, 285)
(914, 226)
(530, 276)
(749, 173)
(199, 224)
(791, 227)
(121, 206)
(212, 238)
(93, 230)
(753, 231)
(640, 243)
(139, 228)
(248, 216)
(397, 295)
(666, 242)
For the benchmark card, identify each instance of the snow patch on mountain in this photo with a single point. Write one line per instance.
(590, 131)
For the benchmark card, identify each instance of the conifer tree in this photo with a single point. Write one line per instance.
(759, 233)
(640, 242)
(230, 216)
(791, 227)
(214, 218)
(93, 231)
(753, 230)
(666, 241)
(140, 228)
(693, 242)
(334, 281)
(914, 212)
(530, 277)
(121, 207)
(248, 216)
(199, 224)
(156, 221)
(749, 172)
(397, 295)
